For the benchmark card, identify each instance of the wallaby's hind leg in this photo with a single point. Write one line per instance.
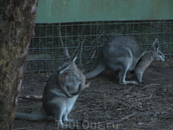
(69, 106)
(65, 119)
(122, 77)
(59, 117)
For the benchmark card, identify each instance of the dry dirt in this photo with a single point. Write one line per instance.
(109, 105)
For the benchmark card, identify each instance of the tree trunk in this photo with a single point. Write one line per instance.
(16, 30)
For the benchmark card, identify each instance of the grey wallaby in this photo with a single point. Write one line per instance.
(60, 93)
(123, 54)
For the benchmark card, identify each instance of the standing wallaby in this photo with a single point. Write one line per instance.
(124, 54)
(60, 93)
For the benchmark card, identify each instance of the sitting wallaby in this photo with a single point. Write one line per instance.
(60, 93)
(124, 54)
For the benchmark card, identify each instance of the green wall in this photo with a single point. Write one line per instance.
(55, 11)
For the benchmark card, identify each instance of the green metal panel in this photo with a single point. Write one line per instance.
(55, 11)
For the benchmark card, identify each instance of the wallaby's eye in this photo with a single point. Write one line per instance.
(65, 65)
(160, 54)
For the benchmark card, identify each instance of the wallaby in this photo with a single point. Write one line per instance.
(60, 93)
(124, 54)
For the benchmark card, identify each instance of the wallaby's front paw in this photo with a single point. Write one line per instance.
(74, 94)
(129, 82)
(69, 96)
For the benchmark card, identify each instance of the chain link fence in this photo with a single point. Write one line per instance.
(85, 38)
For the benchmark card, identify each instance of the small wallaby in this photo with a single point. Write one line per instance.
(124, 54)
(60, 93)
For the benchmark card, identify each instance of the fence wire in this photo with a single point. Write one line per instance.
(86, 38)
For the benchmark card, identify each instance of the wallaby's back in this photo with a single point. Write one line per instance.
(118, 48)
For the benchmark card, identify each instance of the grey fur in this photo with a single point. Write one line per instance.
(60, 93)
(123, 54)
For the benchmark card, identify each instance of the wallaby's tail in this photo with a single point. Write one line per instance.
(97, 70)
(31, 117)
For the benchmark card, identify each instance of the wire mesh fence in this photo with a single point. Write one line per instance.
(85, 38)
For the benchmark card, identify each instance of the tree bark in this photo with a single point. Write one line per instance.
(16, 30)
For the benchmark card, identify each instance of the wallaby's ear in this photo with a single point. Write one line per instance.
(65, 52)
(74, 59)
(155, 45)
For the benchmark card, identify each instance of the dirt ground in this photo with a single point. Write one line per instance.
(108, 105)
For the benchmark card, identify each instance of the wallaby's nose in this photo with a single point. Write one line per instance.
(162, 59)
